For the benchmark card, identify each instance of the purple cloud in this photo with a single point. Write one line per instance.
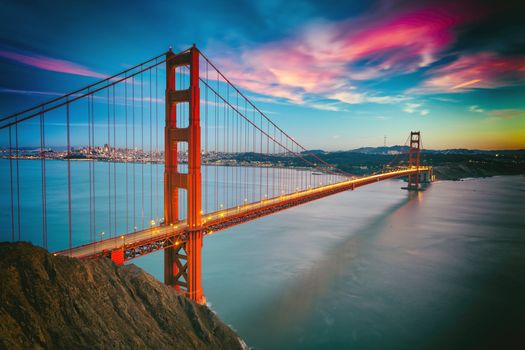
(485, 70)
(50, 64)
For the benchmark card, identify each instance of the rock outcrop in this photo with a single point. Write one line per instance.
(56, 302)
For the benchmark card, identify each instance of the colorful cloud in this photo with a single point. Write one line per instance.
(507, 114)
(328, 59)
(480, 70)
(50, 64)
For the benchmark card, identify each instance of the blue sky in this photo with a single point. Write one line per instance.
(335, 75)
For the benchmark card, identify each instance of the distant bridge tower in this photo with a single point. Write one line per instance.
(414, 158)
(182, 261)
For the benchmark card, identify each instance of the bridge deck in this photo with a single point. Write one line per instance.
(156, 238)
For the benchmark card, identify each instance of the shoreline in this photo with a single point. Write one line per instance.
(448, 172)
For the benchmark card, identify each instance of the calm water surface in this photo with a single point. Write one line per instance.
(376, 268)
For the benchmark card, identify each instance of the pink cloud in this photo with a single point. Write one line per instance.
(51, 64)
(480, 70)
(507, 113)
(332, 57)
(419, 33)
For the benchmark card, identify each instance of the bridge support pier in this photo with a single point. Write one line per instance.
(426, 177)
(176, 267)
(182, 262)
(117, 256)
(194, 249)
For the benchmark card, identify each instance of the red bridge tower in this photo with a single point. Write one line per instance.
(182, 262)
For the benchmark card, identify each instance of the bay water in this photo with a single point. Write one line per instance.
(374, 268)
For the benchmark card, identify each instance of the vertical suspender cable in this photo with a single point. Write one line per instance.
(246, 137)
(262, 159)
(69, 216)
(114, 167)
(156, 143)
(150, 150)
(90, 165)
(256, 156)
(134, 153)
(142, 143)
(254, 148)
(206, 166)
(108, 148)
(268, 155)
(43, 177)
(226, 140)
(239, 150)
(216, 149)
(94, 171)
(11, 186)
(127, 150)
(274, 171)
(17, 178)
(235, 150)
(287, 171)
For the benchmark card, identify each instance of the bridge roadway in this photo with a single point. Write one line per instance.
(159, 237)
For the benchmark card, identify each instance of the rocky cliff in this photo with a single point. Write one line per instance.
(56, 302)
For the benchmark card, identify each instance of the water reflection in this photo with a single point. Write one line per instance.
(299, 298)
(376, 268)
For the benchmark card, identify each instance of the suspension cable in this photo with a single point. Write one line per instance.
(269, 120)
(79, 90)
(268, 136)
(76, 95)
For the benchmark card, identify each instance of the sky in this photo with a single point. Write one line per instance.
(334, 74)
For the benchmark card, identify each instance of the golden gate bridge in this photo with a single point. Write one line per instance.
(225, 162)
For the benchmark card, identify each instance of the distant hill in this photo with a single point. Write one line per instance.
(477, 151)
(314, 151)
(381, 150)
(462, 151)
(392, 150)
